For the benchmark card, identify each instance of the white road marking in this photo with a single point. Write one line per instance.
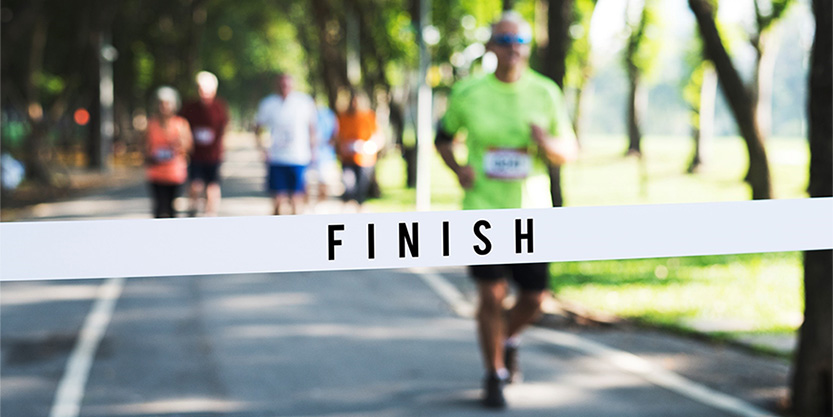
(625, 361)
(70, 391)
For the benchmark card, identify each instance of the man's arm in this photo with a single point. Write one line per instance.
(444, 143)
(313, 139)
(260, 118)
(557, 150)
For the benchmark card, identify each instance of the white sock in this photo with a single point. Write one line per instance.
(502, 373)
(513, 341)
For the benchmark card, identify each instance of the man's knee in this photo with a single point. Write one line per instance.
(532, 299)
(492, 293)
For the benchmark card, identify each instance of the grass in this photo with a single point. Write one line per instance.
(720, 295)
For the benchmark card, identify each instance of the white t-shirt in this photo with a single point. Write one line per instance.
(288, 121)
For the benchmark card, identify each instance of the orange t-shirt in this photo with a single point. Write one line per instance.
(354, 133)
(166, 149)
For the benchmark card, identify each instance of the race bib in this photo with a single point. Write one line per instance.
(163, 155)
(507, 164)
(365, 147)
(204, 135)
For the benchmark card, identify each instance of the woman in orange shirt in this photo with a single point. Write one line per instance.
(168, 141)
(357, 148)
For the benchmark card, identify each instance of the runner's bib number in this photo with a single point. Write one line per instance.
(507, 164)
(204, 135)
(163, 155)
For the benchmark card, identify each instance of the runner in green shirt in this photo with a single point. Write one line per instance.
(514, 123)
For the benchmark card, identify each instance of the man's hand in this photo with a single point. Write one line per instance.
(465, 174)
(558, 152)
(539, 136)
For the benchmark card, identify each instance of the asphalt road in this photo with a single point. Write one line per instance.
(363, 343)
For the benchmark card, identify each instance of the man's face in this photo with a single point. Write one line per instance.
(167, 108)
(207, 94)
(285, 84)
(511, 48)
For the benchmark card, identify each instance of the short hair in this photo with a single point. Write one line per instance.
(524, 28)
(207, 81)
(169, 94)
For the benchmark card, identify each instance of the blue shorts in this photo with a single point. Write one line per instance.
(286, 178)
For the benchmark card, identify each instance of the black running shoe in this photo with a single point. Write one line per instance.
(510, 360)
(493, 389)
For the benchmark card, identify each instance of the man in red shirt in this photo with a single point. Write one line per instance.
(208, 118)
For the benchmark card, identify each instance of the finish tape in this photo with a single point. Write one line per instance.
(237, 245)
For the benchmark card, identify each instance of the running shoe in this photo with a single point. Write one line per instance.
(493, 390)
(510, 360)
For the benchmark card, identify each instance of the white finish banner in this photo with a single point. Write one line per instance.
(231, 245)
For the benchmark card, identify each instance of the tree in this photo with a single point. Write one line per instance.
(559, 18)
(739, 97)
(640, 58)
(765, 42)
(579, 65)
(699, 92)
(812, 369)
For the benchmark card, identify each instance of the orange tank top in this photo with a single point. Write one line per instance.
(167, 148)
(354, 133)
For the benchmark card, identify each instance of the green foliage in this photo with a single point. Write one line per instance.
(578, 64)
(645, 41)
(768, 12)
(484, 11)
(246, 44)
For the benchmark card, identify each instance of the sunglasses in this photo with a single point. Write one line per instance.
(507, 39)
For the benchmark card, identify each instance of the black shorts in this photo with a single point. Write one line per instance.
(207, 172)
(529, 277)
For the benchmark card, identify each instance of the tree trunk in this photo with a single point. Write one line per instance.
(812, 369)
(764, 72)
(704, 133)
(333, 63)
(508, 4)
(739, 98)
(636, 102)
(93, 71)
(584, 95)
(196, 24)
(559, 17)
(35, 147)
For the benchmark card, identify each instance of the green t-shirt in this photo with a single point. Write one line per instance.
(509, 170)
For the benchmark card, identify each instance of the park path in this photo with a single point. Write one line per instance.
(378, 343)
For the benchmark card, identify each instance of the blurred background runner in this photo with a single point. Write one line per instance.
(323, 170)
(290, 116)
(358, 146)
(208, 118)
(168, 141)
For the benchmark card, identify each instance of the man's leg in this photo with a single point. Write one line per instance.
(525, 311)
(194, 192)
(298, 186)
(212, 199)
(491, 326)
(533, 281)
(297, 202)
(279, 200)
(491, 323)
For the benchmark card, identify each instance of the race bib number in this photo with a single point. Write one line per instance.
(163, 155)
(365, 147)
(507, 164)
(204, 135)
